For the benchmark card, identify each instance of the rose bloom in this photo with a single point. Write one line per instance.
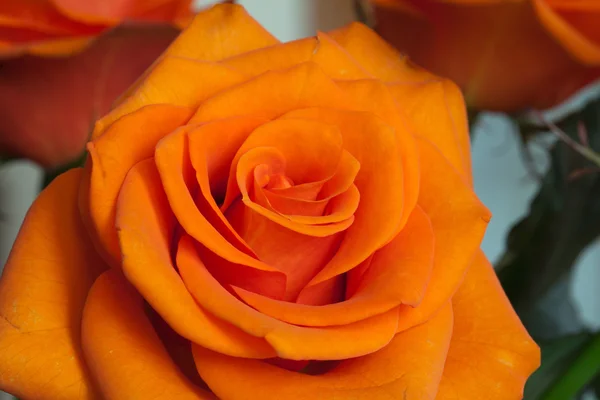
(63, 63)
(506, 55)
(259, 220)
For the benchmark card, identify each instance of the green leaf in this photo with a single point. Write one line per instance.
(563, 219)
(557, 356)
(579, 374)
(596, 386)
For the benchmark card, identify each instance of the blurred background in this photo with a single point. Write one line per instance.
(505, 177)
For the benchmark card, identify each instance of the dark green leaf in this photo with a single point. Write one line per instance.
(557, 355)
(563, 219)
(580, 372)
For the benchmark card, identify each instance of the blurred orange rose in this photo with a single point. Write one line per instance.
(261, 220)
(62, 65)
(506, 55)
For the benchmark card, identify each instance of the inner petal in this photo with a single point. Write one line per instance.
(303, 191)
(312, 151)
(300, 257)
(250, 175)
(212, 147)
(380, 182)
(332, 200)
(176, 174)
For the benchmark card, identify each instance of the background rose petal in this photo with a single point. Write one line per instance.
(48, 106)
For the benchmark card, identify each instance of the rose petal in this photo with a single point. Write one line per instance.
(174, 167)
(39, 16)
(499, 52)
(320, 195)
(459, 220)
(410, 366)
(326, 211)
(374, 97)
(228, 273)
(585, 48)
(397, 274)
(312, 151)
(48, 105)
(321, 50)
(226, 30)
(491, 355)
(289, 341)
(220, 32)
(299, 256)
(42, 292)
(114, 11)
(376, 56)
(133, 138)
(329, 292)
(259, 206)
(306, 191)
(146, 226)
(123, 351)
(212, 149)
(379, 181)
(176, 81)
(342, 180)
(274, 93)
(449, 129)
(48, 48)
(297, 208)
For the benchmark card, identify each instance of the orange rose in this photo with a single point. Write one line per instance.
(48, 105)
(506, 55)
(265, 221)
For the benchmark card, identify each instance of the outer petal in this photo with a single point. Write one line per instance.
(220, 32)
(124, 352)
(491, 355)
(42, 292)
(274, 93)
(48, 106)
(176, 81)
(459, 221)
(436, 111)
(376, 56)
(321, 50)
(223, 31)
(409, 367)
(133, 138)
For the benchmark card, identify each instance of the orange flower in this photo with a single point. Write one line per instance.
(48, 105)
(260, 220)
(506, 55)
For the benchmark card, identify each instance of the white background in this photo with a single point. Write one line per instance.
(501, 179)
